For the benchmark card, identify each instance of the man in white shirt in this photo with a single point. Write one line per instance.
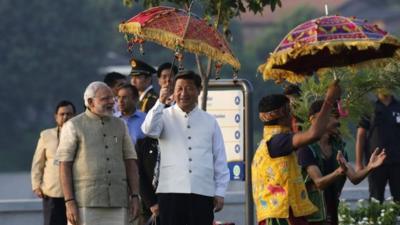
(193, 168)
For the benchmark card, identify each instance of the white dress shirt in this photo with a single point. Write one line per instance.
(193, 158)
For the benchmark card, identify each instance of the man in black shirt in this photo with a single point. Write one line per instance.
(381, 130)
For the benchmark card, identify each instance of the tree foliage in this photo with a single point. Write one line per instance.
(50, 50)
(224, 10)
(357, 87)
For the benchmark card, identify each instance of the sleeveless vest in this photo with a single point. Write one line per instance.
(277, 182)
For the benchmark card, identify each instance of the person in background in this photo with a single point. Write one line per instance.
(127, 98)
(148, 156)
(141, 77)
(381, 129)
(279, 192)
(325, 167)
(98, 168)
(115, 80)
(165, 74)
(194, 173)
(44, 173)
(293, 92)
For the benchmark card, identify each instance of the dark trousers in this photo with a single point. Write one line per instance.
(380, 177)
(332, 215)
(289, 221)
(186, 209)
(54, 211)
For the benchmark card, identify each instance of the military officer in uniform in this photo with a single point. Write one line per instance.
(141, 77)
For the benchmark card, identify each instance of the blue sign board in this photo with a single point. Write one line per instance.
(236, 170)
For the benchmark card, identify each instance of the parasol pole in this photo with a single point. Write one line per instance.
(188, 21)
(200, 68)
(206, 76)
(326, 10)
(199, 65)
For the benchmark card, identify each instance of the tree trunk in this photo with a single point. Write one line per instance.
(205, 85)
(205, 77)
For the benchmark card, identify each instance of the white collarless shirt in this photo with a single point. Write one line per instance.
(193, 158)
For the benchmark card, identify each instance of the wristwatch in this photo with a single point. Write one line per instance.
(134, 196)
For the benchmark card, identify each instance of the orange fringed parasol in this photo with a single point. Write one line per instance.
(329, 41)
(178, 30)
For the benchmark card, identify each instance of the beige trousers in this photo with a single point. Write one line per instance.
(103, 216)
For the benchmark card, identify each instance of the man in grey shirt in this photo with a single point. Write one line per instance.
(98, 163)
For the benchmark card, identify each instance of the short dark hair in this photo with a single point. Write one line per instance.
(111, 78)
(316, 107)
(63, 103)
(134, 90)
(165, 66)
(189, 75)
(270, 103)
(292, 89)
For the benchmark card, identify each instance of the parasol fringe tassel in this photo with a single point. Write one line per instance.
(280, 74)
(334, 48)
(170, 40)
(131, 28)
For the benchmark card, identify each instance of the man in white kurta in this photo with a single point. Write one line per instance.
(97, 163)
(193, 168)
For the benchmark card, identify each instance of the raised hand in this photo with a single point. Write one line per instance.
(334, 92)
(377, 159)
(342, 161)
(165, 93)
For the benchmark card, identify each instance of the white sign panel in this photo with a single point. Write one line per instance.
(228, 108)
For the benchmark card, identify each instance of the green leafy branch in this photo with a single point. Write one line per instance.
(225, 10)
(357, 85)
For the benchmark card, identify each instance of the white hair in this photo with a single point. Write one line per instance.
(91, 90)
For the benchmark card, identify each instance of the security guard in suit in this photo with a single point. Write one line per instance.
(141, 77)
(147, 151)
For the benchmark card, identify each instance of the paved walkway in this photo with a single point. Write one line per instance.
(15, 192)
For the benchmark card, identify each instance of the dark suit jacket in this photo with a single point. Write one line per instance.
(147, 151)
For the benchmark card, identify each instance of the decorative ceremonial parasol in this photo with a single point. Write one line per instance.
(178, 30)
(329, 41)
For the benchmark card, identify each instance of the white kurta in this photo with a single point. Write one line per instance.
(193, 158)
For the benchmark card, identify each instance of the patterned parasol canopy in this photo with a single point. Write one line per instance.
(178, 30)
(329, 41)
